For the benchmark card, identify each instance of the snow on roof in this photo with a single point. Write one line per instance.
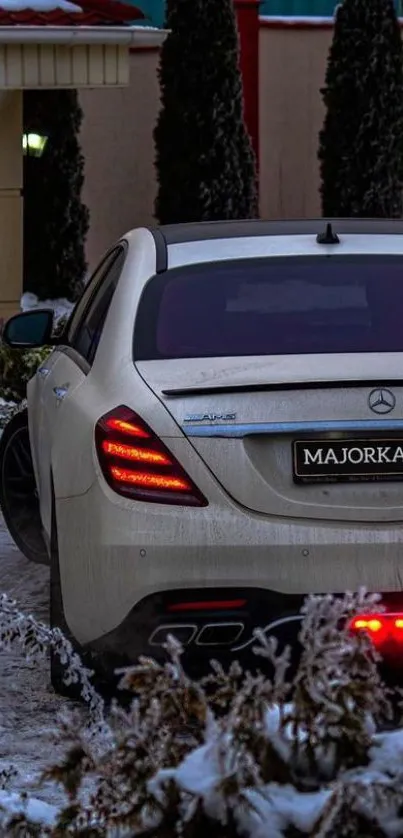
(38, 5)
(293, 20)
(299, 21)
(296, 20)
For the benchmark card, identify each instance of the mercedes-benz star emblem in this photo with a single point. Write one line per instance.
(381, 401)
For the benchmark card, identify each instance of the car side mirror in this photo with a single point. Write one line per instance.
(29, 330)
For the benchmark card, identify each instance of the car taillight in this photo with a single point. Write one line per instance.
(383, 628)
(137, 464)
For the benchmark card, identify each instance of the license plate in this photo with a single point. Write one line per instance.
(347, 460)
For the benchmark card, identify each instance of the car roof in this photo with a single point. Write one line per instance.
(172, 234)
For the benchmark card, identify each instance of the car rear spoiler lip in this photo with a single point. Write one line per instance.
(206, 390)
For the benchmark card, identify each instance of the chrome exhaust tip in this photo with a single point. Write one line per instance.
(219, 634)
(184, 634)
(211, 634)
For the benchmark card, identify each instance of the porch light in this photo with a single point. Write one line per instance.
(33, 145)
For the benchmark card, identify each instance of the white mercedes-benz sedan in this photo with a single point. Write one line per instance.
(217, 432)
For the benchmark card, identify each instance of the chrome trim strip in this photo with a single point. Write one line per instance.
(240, 430)
(280, 622)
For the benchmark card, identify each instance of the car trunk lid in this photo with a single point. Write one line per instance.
(251, 418)
(277, 370)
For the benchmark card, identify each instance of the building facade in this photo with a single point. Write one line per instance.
(283, 63)
(283, 104)
(48, 46)
(154, 10)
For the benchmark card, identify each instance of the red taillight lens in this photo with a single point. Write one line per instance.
(137, 464)
(150, 481)
(123, 426)
(139, 455)
(383, 628)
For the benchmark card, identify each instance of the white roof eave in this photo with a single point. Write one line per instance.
(130, 36)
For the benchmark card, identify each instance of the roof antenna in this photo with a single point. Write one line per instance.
(328, 237)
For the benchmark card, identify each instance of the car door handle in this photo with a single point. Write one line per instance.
(43, 371)
(61, 392)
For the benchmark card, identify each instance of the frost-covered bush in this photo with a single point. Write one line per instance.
(8, 410)
(235, 754)
(18, 366)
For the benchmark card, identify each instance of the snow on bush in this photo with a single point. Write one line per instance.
(61, 308)
(18, 366)
(8, 409)
(36, 639)
(16, 811)
(236, 754)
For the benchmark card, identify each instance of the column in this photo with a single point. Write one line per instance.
(247, 13)
(11, 209)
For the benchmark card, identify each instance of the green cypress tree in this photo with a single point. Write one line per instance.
(361, 144)
(55, 219)
(204, 158)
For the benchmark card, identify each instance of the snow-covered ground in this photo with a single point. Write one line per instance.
(28, 705)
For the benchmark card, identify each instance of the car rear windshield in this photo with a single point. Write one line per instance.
(273, 306)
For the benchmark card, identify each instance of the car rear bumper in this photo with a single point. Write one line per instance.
(205, 634)
(115, 554)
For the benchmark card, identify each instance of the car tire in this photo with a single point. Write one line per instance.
(18, 493)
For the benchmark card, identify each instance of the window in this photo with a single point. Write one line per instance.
(89, 319)
(304, 8)
(273, 306)
(88, 293)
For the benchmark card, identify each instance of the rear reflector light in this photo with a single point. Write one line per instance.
(382, 628)
(210, 605)
(143, 470)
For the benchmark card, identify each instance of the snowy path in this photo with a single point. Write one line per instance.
(28, 705)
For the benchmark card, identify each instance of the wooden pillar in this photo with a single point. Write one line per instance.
(247, 13)
(11, 214)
